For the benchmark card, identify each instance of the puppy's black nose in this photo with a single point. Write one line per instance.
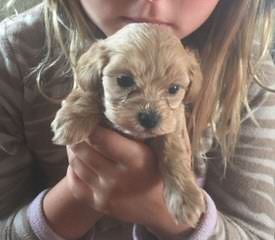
(148, 119)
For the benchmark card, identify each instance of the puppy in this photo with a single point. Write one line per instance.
(138, 81)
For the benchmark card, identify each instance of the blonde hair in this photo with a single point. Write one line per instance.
(225, 43)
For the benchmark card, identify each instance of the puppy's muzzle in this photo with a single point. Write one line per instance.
(148, 119)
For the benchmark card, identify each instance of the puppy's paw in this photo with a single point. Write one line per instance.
(186, 206)
(68, 130)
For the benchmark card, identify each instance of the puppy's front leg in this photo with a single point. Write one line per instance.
(77, 117)
(183, 196)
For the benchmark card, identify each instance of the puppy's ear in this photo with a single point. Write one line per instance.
(195, 75)
(90, 65)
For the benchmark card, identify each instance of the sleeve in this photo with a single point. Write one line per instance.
(16, 162)
(17, 166)
(21, 213)
(245, 195)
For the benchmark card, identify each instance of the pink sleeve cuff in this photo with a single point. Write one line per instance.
(37, 220)
(204, 230)
(206, 227)
(39, 224)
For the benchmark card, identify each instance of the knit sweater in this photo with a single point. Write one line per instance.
(240, 202)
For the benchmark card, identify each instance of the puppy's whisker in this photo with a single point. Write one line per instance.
(147, 107)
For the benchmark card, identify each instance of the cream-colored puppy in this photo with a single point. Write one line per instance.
(138, 81)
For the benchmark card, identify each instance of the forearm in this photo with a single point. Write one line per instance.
(63, 215)
(67, 216)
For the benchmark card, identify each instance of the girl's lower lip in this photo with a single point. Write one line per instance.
(141, 20)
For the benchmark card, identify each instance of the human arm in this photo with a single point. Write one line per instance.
(22, 174)
(126, 184)
(16, 185)
(65, 214)
(245, 196)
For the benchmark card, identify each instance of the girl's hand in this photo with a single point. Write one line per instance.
(119, 177)
(114, 175)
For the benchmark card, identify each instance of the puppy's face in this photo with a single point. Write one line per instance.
(146, 75)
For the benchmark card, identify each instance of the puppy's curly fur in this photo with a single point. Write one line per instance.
(138, 81)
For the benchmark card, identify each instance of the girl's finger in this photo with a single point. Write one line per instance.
(118, 148)
(81, 170)
(78, 187)
(92, 158)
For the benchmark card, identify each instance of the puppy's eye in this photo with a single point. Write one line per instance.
(173, 89)
(125, 81)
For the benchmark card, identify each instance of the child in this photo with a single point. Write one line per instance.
(44, 197)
